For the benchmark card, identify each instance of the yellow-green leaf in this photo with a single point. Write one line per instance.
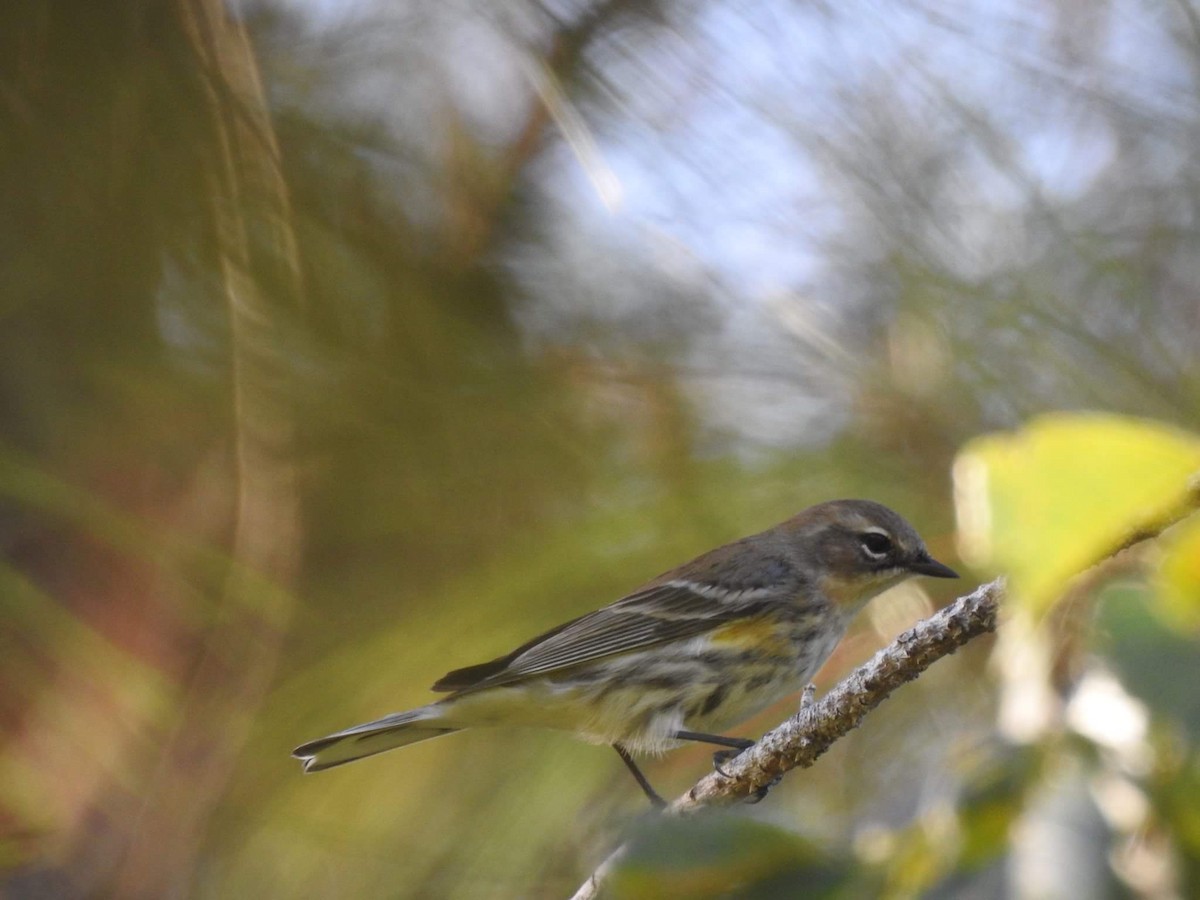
(1179, 577)
(1047, 501)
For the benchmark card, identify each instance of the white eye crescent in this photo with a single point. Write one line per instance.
(876, 543)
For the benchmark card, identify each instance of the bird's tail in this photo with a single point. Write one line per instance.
(396, 730)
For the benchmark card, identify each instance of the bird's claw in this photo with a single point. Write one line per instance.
(760, 793)
(720, 758)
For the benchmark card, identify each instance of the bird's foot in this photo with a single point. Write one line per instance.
(723, 756)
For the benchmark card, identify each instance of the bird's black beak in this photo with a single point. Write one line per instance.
(927, 565)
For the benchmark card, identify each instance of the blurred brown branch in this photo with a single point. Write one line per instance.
(257, 257)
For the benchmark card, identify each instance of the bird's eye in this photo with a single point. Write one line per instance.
(876, 544)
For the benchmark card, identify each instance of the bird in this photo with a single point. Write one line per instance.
(687, 656)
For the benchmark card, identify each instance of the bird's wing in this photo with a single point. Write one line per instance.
(667, 611)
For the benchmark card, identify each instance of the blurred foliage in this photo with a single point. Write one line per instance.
(345, 343)
(1051, 504)
(718, 856)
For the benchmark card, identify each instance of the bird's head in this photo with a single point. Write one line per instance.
(858, 548)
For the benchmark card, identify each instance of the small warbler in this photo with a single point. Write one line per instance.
(691, 653)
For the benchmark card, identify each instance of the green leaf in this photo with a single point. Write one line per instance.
(1051, 499)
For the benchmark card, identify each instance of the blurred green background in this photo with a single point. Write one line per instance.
(345, 343)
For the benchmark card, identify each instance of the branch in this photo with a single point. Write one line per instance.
(800, 741)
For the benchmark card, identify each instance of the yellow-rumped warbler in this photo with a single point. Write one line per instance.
(695, 651)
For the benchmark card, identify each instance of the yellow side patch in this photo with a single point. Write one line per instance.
(761, 634)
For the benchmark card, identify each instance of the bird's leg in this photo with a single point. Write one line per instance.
(721, 756)
(718, 739)
(655, 800)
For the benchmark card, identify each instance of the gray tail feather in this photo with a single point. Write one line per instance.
(396, 730)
